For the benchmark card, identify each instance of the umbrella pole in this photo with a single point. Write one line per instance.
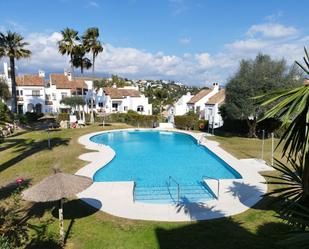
(61, 221)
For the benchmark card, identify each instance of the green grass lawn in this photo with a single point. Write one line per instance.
(26, 155)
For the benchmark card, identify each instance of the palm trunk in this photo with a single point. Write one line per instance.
(91, 111)
(305, 180)
(13, 80)
(93, 61)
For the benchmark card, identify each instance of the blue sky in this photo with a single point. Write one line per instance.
(194, 41)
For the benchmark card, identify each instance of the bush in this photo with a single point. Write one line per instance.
(5, 113)
(132, 118)
(201, 125)
(32, 117)
(185, 122)
(63, 116)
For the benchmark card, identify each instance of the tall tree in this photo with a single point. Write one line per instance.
(68, 43)
(12, 45)
(256, 77)
(79, 59)
(92, 44)
(4, 90)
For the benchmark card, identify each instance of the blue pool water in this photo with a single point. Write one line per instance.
(149, 158)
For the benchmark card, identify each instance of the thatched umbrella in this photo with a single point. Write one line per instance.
(55, 188)
(47, 117)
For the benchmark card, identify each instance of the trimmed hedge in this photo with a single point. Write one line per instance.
(132, 118)
(190, 122)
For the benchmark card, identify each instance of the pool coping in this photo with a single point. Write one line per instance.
(116, 198)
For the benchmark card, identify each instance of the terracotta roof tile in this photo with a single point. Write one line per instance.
(62, 82)
(29, 80)
(218, 98)
(118, 93)
(199, 96)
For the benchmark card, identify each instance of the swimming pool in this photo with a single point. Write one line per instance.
(158, 162)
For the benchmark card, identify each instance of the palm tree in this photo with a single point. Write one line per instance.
(92, 44)
(78, 58)
(12, 45)
(68, 43)
(292, 108)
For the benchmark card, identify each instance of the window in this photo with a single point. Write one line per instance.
(35, 92)
(19, 92)
(125, 108)
(54, 96)
(64, 95)
(140, 108)
(100, 104)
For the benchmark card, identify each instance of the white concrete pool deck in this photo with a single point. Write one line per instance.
(116, 198)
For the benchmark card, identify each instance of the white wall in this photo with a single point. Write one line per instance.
(212, 114)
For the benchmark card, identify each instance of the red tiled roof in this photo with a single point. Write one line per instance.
(116, 93)
(199, 96)
(62, 82)
(218, 98)
(29, 80)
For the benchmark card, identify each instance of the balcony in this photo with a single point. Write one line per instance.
(19, 98)
(48, 102)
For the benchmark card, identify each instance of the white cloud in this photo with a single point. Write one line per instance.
(178, 6)
(192, 68)
(272, 30)
(185, 40)
(93, 4)
(247, 45)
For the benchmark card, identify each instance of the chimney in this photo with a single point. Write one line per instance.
(41, 73)
(69, 76)
(215, 86)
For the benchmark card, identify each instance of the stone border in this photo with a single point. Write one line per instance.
(116, 198)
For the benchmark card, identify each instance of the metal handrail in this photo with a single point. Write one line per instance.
(178, 187)
(201, 139)
(134, 192)
(216, 179)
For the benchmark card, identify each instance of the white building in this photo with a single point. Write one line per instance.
(36, 94)
(124, 99)
(30, 92)
(197, 102)
(212, 112)
(181, 106)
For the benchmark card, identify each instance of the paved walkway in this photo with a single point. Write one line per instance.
(116, 198)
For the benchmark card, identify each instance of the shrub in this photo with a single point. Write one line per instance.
(63, 116)
(201, 125)
(185, 122)
(32, 117)
(132, 118)
(5, 113)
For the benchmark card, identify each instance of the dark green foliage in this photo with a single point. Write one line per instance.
(13, 226)
(253, 78)
(4, 90)
(33, 116)
(73, 101)
(133, 118)
(256, 77)
(5, 114)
